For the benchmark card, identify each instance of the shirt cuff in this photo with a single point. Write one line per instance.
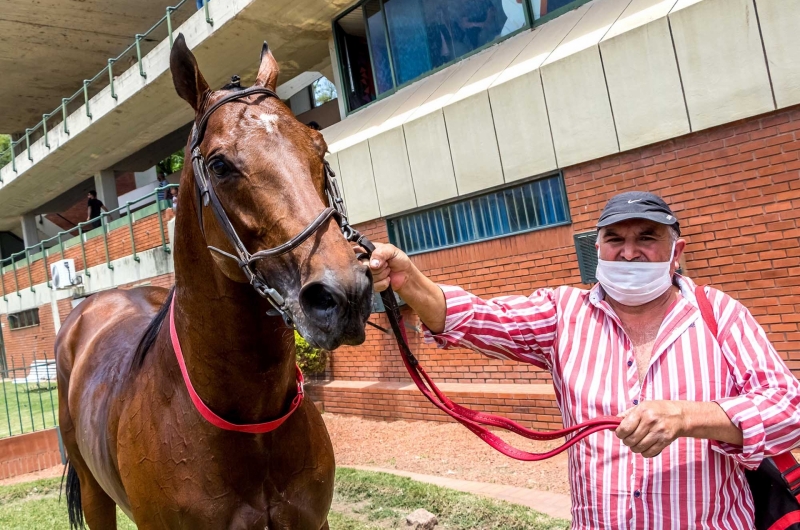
(458, 313)
(745, 415)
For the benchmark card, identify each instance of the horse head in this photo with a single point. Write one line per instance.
(267, 172)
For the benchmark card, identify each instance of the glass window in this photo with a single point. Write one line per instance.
(386, 43)
(541, 8)
(379, 46)
(354, 56)
(533, 205)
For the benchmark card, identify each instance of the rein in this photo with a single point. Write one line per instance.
(471, 419)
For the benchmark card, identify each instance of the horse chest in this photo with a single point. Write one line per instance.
(218, 479)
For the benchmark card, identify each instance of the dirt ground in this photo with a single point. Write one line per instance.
(445, 449)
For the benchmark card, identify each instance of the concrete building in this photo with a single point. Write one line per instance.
(483, 138)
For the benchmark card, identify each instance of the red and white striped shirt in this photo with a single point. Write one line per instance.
(576, 335)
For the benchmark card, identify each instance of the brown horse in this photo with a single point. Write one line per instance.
(133, 435)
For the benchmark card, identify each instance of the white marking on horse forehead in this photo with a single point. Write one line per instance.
(269, 121)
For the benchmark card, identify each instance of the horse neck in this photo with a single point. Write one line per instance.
(240, 361)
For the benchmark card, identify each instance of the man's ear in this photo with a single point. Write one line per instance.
(189, 82)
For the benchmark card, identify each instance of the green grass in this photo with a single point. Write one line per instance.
(362, 501)
(35, 505)
(385, 498)
(27, 407)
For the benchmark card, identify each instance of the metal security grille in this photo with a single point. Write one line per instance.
(24, 319)
(538, 204)
(587, 256)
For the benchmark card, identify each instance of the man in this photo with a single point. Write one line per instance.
(161, 184)
(93, 210)
(697, 411)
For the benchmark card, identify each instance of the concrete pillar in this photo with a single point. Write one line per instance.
(106, 185)
(144, 178)
(30, 235)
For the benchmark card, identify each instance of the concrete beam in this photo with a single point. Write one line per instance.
(49, 47)
(147, 108)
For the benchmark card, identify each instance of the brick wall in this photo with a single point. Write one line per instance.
(736, 189)
(28, 453)
(36, 342)
(532, 405)
(126, 181)
(147, 235)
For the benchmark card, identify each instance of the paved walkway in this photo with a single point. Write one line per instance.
(553, 504)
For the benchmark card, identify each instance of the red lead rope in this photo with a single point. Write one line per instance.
(472, 419)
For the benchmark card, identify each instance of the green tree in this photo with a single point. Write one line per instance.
(323, 91)
(171, 164)
(310, 360)
(5, 149)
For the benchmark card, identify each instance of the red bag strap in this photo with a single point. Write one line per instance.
(706, 309)
(786, 462)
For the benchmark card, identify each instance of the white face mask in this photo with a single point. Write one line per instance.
(634, 283)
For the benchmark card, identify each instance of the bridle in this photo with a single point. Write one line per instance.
(471, 419)
(207, 196)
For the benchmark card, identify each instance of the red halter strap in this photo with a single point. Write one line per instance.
(207, 413)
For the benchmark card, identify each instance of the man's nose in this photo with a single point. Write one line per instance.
(629, 252)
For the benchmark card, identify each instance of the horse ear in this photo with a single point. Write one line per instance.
(268, 71)
(189, 82)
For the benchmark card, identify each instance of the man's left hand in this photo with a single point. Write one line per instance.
(651, 426)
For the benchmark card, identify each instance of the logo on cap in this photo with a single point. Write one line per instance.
(631, 202)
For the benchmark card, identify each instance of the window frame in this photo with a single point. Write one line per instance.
(487, 192)
(529, 25)
(31, 315)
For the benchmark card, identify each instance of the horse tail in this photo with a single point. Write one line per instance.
(73, 492)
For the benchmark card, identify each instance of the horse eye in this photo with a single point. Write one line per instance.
(219, 167)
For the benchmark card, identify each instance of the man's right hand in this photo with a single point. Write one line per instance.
(390, 266)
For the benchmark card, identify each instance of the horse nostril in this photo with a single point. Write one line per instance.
(323, 304)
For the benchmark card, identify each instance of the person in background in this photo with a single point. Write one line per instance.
(161, 184)
(174, 194)
(314, 125)
(93, 210)
(200, 4)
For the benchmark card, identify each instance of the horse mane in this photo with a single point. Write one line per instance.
(151, 332)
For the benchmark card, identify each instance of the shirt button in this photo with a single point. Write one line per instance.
(637, 494)
(635, 401)
(630, 363)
